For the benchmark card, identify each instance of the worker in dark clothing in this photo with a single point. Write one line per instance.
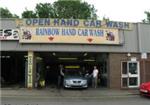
(61, 76)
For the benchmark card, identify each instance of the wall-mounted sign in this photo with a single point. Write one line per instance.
(143, 55)
(68, 35)
(48, 22)
(133, 59)
(47, 30)
(9, 34)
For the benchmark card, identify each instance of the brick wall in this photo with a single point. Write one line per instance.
(145, 69)
(115, 60)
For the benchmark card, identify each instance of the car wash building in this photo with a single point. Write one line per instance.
(120, 50)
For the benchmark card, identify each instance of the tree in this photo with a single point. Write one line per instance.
(64, 9)
(5, 13)
(147, 20)
(29, 14)
(74, 9)
(45, 10)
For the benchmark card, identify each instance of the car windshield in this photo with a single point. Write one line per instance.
(72, 72)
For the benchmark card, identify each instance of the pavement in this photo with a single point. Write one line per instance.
(68, 93)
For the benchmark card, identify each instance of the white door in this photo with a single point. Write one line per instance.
(133, 74)
(130, 74)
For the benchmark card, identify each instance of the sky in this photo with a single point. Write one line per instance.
(116, 10)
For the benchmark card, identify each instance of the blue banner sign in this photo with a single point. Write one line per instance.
(31, 22)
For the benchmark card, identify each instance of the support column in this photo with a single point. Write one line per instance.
(30, 70)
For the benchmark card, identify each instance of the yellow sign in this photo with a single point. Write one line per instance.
(68, 35)
(30, 70)
(72, 67)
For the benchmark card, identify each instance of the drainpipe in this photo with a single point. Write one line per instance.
(140, 50)
(139, 38)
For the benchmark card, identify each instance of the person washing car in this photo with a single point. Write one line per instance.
(95, 77)
(87, 76)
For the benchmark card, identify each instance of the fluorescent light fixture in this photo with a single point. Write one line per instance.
(67, 58)
(89, 60)
(2, 56)
(5, 56)
(25, 56)
(72, 67)
(54, 54)
(85, 54)
(39, 58)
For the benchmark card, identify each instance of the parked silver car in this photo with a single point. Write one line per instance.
(73, 79)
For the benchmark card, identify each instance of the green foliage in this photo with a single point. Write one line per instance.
(147, 20)
(74, 9)
(29, 14)
(45, 10)
(5, 13)
(63, 9)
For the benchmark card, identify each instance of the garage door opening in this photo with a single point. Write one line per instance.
(47, 65)
(13, 69)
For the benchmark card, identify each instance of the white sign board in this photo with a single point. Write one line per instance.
(133, 59)
(9, 34)
(144, 55)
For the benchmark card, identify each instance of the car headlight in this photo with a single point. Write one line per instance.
(84, 81)
(68, 81)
